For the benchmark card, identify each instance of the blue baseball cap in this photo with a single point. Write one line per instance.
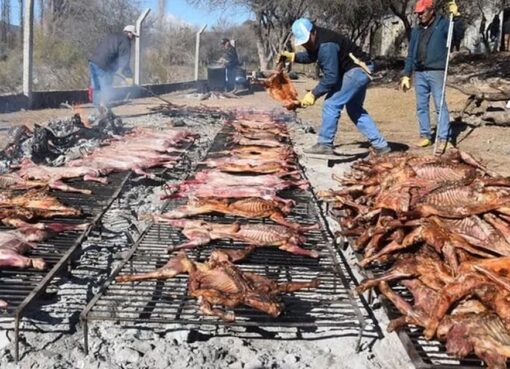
(301, 29)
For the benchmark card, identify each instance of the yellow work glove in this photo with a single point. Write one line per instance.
(290, 56)
(128, 81)
(308, 100)
(405, 83)
(453, 8)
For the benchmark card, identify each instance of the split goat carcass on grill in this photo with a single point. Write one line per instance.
(201, 233)
(442, 226)
(250, 208)
(32, 204)
(235, 193)
(137, 151)
(218, 281)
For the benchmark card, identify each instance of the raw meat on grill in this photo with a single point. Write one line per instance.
(218, 281)
(217, 178)
(14, 244)
(202, 190)
(246, 208)
(201, 233)
(3, 304)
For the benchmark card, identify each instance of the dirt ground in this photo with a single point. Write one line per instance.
(393, 111)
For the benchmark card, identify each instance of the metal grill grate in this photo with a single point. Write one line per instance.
(331, 305)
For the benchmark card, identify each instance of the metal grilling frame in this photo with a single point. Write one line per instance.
(331, 305)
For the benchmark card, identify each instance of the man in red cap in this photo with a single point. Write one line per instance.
(427, 55)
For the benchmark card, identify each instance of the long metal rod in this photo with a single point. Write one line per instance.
(443, 92)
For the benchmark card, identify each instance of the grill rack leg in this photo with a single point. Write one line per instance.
(16, 337)
(85, 327)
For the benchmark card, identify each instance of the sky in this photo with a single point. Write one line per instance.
(199, 16)
(183, 11)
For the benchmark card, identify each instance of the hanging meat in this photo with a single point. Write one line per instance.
(219, 282)
(280, 87)
(247, 208)
(202, 233)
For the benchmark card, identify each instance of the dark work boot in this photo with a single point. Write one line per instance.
(319, 149)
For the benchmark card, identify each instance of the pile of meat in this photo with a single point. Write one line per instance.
(137, 151)
(440, 227)
(243, 181)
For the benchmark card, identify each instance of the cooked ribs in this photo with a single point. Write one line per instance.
(219, 282)
(201, 233)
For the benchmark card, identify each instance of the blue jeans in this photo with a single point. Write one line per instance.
(101, 82)
(350, 92)
(427, 83)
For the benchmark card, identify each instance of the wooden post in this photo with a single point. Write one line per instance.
(197, 51)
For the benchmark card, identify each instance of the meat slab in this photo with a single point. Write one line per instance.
(219, 281)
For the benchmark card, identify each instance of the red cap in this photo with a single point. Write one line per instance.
(422, 5)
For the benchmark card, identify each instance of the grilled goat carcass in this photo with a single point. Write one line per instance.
(238, 165)
(219, 282)
(279, 86)
(39, 203)
(482, 333)
(202, 233)
(240, 140)
(14, 244)
(246, 208)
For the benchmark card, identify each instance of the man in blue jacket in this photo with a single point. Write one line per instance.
(111, 54)
(427, 56)
(346, 75)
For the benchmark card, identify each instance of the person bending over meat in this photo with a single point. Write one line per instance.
(346, 75)
(111, 54)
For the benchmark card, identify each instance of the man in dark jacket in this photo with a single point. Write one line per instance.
(427, 56)
(112, 54)
(346, 74)
(230, 61)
